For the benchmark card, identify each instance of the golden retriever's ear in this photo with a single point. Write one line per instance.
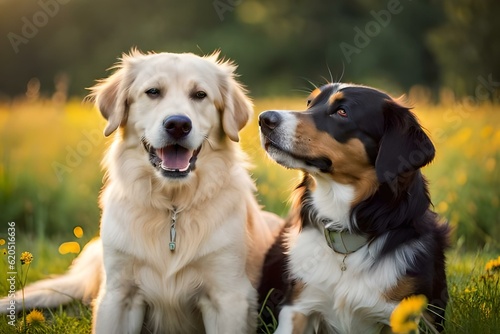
(110, 95)
(236, 108)
(111, 101)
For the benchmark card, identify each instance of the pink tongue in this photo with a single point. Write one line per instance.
(174, 157)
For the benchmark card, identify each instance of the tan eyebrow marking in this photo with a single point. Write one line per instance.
(336, 96)
(313, 95)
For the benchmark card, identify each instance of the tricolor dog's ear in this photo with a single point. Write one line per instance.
(404, 146)
(110, 94)
(236, 107)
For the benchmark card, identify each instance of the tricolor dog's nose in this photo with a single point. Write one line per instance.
(269, 120)
(177, 126)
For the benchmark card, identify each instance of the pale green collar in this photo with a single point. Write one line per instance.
(344, 242)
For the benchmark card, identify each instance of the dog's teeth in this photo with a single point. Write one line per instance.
(174, 169)
(166, 168)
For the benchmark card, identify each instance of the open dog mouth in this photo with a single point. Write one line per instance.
(174, 160)
(295, 161)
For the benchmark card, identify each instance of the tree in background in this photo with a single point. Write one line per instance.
(467, 47)
(279, 45)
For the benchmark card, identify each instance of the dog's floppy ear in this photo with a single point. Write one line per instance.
(236, 106)
(110, 94)
(404, 146)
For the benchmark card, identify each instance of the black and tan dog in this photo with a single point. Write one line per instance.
(361, 235)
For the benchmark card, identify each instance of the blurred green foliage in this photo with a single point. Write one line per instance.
(391, 44)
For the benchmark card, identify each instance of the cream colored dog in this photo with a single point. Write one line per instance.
(183, 238)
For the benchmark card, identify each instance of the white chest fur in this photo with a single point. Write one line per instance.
(332, 201)
(350, 301)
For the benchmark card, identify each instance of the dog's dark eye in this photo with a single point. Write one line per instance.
(153, 92)
(341, 112)
(199, 95)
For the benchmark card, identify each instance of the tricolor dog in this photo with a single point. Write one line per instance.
(361, 236)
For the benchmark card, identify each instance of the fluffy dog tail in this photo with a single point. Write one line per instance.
(81, 282)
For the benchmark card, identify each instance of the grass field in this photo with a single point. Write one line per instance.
(50, 178)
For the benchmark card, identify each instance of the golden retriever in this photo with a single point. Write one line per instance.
(183, 238)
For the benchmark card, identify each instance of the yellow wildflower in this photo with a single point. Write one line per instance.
(78, 231)
(2, 242)
(26, 258)
(406, 316)
(69, 247)
(35, 317)
(492, 265)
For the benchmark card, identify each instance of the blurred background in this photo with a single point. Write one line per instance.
(444, 55)
(279, 44)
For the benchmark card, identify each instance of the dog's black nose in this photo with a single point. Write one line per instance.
(178, 126)
(269, 120)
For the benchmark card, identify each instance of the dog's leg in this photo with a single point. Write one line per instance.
(230, 309)
(292, 321)
(297, 317)
(116, 312)
(119, 308)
